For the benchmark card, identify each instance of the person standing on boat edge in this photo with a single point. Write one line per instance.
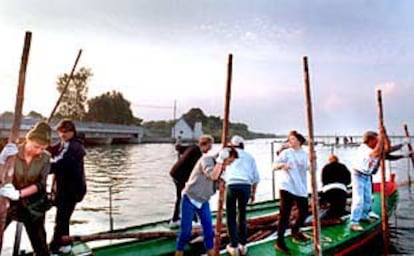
(294, 164)
(69, 182)
(27, 192)
(241, 179)
(335, 177)
(196, 195)
(365, 165)
(181, 170)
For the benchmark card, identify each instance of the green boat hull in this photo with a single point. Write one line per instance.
(335, 239)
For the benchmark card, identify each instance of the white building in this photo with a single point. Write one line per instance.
(182, 130)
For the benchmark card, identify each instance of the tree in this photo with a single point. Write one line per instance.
(111, 107)
(35, 115)
(73, 103)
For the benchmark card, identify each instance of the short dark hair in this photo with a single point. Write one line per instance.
(66, 125)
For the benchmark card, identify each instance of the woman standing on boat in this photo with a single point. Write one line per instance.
(241, 179)
(69, 181)
(27, 192)
(293, 163)
(196, 195)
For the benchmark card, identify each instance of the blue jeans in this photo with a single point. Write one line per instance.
(361, 196)
(187, 213)
(237, 197)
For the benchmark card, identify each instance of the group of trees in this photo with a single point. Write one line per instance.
(110, 107)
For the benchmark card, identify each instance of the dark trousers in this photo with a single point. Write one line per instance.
(286, 202)
(64, 212)
(337, 202)
(35, 229)
(237, 197)
(179, 186)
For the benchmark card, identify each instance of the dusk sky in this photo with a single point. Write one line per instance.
(157, 51)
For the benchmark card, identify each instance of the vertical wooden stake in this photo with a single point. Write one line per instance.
(312, 156)
(384, 215)
(7, 170)
(224, 138)
(410, 149)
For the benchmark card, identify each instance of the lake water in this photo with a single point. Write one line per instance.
(142, 190)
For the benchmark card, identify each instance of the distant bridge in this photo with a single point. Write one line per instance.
(92, 132)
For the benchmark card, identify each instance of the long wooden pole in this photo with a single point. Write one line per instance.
(384, 214)
(224, 138)
(315, 201)
(410, 149)
(6, 173)
(65, 87)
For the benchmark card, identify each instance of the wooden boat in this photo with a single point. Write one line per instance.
(158, 239)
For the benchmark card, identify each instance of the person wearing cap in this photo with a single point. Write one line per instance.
(241, 179)
(196, 195)
(181, 170)
(366, 164)
(27, 191)
(335, 177)
(293, 164)
(69, 186)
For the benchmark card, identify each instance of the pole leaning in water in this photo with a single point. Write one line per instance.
(224, 137)
(312, 157)
(384, 215)
(7, 170)
(410, 149)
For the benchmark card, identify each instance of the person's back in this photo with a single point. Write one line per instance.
(335, 178)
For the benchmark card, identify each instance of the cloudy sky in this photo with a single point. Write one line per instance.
(156, 52)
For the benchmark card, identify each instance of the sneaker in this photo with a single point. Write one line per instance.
(356, 227)
(65, 249)
(195, 224)
(373, 215)
(174, 224)
(232, 251)
(281, 246)
(243, 250)
(369, 220)
(299, 237)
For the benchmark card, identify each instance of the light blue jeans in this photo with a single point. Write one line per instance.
(187, 213)
(361, 196)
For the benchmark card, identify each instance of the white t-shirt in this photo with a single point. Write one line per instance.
(364, 162)
(294, 180)
(242, 171)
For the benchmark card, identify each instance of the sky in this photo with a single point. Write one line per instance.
(157, 52)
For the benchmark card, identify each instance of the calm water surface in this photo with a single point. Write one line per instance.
(142, 190)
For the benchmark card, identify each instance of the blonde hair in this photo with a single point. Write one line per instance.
(205, 139)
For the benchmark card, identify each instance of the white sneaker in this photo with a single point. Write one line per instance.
(174, 224)
(195, 224)
(232, 251)
(242, 249)
(65, 249)
(373, 215)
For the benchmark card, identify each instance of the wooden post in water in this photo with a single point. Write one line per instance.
(224, 138)
(384, 215)
(65, 87)
(410, 149)
(312, 156)
(7, 170)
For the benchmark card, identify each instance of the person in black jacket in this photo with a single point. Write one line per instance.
(335, 178)
(181, 170)
(69, 186)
